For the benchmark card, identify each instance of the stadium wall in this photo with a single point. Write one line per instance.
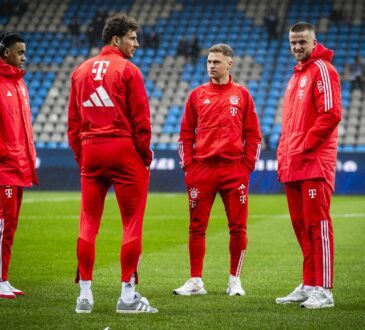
(58, 170)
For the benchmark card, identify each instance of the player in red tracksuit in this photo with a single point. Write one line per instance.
(307, 155)
(109, 130)
(219, 144)
(17, 153)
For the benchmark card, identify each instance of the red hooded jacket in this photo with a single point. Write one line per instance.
(108, 99)
(220, 123)
(311, 113)
(17, 152)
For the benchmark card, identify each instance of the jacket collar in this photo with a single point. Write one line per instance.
(319, 53)
(108, 50)
(10, 71)
(220, 87)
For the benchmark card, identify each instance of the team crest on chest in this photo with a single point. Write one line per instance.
(234, 99)
(303, 82)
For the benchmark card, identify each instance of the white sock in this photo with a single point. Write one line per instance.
(307, 288)
(128, 290)
(233, 278)
(85, 290)
(85, 285)
(197, 280)
(326, 291)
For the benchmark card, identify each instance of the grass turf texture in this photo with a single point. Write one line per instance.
(44, 263)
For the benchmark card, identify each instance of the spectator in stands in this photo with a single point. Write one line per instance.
(194, 49)
(17, 152)
(356, 75)
(74, 29)
(307, 155)
(109, 131)
(95, 27)
(183, 47)
(336, 15)
(151, 39)
(271, 23)
(6, 8)
(218, 147)
(91, 35)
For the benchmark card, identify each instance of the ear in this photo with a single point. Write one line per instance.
(6, 53)
(115, 41)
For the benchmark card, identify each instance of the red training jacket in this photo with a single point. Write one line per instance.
(311, 113)
(108, 99)
(220, 123)
(17, 152)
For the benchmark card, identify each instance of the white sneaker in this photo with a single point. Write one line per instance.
(14, 290)
(235, 288)
(191, 287)
(138, 305)
(5, 291)
(84, 302)
(320, 298)
(298, 295)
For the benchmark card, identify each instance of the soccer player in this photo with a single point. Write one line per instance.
(17, 152)
(218, 147)
(307, 155)
(109, 130)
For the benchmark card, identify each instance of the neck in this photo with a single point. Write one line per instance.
(221, 81)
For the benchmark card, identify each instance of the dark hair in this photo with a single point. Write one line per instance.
(302, 26)
(221, 48)
(118, 25)
(8, 39)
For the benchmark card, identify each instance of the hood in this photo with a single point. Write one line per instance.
(10, 71)
(319, 53)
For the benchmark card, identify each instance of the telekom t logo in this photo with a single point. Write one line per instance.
(8, 192)
(99, 68)
(312, 193)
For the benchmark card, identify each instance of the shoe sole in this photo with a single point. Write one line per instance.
(134, 312)
(7, 297)
(194, 293)
(82, 311)
(325, 306)
(287, 302)
(236, 294)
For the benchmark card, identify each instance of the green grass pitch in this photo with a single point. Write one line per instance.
(44, 263)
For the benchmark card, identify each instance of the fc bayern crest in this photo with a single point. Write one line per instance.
(234, 99)
(303, 81)
(193, 192)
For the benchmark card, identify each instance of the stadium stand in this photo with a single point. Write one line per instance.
(261, 63)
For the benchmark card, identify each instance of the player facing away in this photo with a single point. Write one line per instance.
(17, 152)
(307, 154)
(109, 131)
(218, 147)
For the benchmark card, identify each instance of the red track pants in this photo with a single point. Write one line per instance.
(309, 208)
(10, 202)
(204, 180)
(107, 162)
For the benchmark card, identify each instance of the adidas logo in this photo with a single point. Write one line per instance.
(99, 99)
(206, 101)
(9, 94)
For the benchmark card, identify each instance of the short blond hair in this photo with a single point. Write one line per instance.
(221, 48)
